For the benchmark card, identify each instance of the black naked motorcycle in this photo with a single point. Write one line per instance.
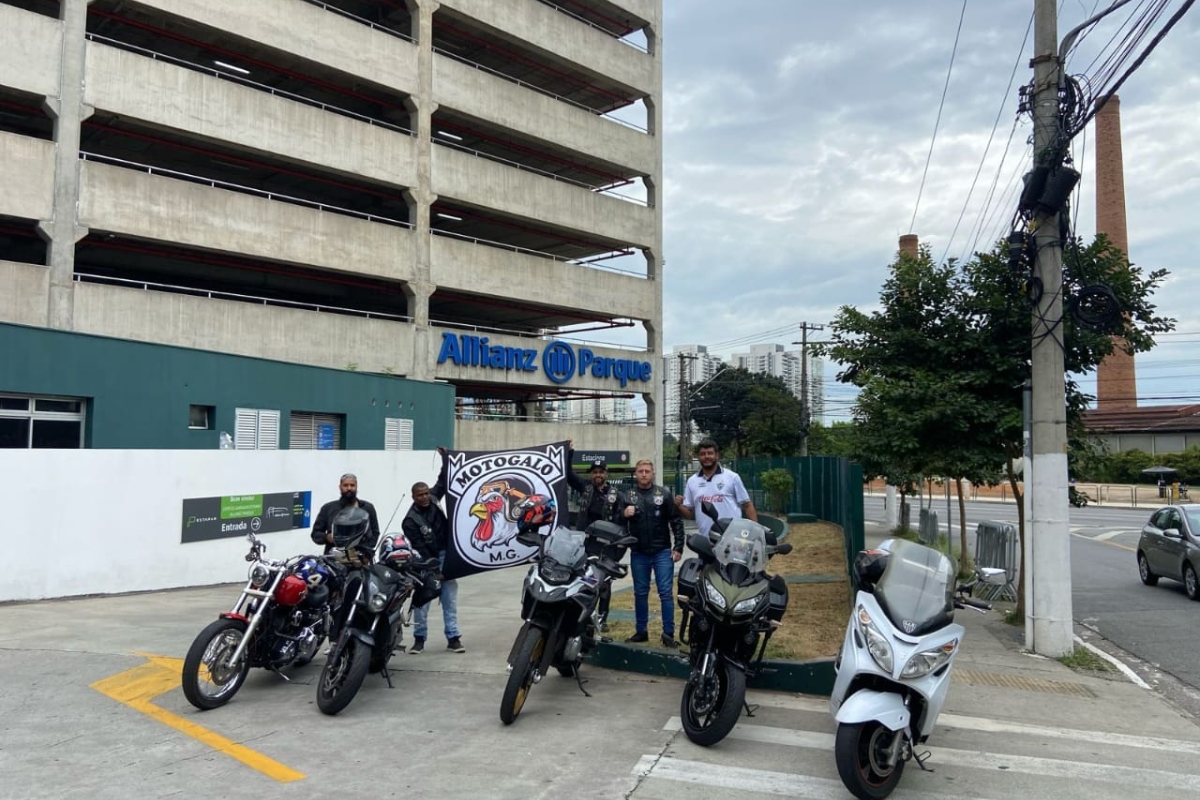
(559, 598)
(279, 621)
(369, 623)
(730, 609)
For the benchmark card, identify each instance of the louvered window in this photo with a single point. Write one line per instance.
(397, 433)
(309, 431)
(257, 429)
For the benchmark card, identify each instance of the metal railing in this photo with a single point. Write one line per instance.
(360, 20)
(545, 173)
(234, 78)
(83, 277)
(540, 90)
(287, 198)
(591, 24)
(541, 254)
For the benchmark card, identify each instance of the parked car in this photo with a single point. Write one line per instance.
(1170, 547)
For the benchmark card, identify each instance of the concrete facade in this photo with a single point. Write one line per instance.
(194, 173)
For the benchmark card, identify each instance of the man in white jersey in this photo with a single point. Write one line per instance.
(721, 487)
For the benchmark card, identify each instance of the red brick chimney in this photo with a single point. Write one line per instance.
(1116, 377)
(910, 245)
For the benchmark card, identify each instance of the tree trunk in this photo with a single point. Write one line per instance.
(964, 566)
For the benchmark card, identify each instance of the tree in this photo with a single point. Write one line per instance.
(942, 362)
(740, 409)
(832, 440)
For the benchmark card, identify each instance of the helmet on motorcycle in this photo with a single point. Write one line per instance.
(349, 526)
(312, 572)
(396, 550)
(869, 566)
(535, 511)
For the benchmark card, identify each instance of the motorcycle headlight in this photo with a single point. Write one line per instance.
(749, 604)
(714, 596)
(554, 572)
(377, 602)
(877, 644)
(259, 574)
(927, 661)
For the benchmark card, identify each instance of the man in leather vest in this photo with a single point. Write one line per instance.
(651, 515)
(598, 500)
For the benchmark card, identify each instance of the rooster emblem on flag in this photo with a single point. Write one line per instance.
(495, 508)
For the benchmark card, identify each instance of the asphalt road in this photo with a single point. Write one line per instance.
(1151, 624)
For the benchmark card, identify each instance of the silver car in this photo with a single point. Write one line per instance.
(1170, 547)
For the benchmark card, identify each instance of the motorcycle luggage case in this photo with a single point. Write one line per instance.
(689, 576)
(600, 536)
(778, 599)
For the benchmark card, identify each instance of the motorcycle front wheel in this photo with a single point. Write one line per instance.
(209, 681)
(529, 654)
(343, 677)
(709, 711)
(860, 750)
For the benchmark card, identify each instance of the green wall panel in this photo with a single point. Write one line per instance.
(139, 393)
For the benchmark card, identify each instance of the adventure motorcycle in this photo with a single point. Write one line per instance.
(727, 603)
(279, 621)
(894, 668)
(559, 598)
(369, 622)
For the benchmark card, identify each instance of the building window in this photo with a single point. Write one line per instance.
(200, 418)
(257, 429)
(41, 422)
(311, 431)
(397, 433)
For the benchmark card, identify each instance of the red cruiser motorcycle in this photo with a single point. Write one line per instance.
(280, 621)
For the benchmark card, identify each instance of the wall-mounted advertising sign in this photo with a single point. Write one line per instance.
(206, 518)
(559, 360)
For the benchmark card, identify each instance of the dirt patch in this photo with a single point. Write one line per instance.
(815, 621)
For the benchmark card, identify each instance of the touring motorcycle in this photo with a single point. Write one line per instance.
(279, 621)
(730, 608)
(894, 668)
(559, 598)
(369, 623)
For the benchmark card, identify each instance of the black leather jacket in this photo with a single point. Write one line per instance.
(656, 522)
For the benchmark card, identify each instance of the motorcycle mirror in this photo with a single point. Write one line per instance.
(709, 509)
(783, 549)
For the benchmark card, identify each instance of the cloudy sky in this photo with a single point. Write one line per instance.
(796, 134)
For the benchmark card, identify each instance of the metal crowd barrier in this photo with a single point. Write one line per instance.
(997, 560)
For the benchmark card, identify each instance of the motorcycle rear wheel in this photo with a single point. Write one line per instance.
(858, 751)
(529, 654)
(343, 677)
(209, 682)
(707, 719)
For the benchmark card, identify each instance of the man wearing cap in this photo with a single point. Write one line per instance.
(348, 488)
(598, 500)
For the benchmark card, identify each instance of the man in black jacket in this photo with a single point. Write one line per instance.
(427, 529)
(598, 500)
(649, 512)
(348, 488)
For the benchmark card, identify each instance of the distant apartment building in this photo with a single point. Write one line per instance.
(773, 359)
(694, 363)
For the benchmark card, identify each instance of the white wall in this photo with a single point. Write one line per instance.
(106, 521)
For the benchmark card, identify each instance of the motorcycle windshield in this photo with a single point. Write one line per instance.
(566, 547)
(742, 544)
(917, 587)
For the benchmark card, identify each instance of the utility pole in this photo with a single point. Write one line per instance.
(805, 419)
(685, 423)
(1049, 605)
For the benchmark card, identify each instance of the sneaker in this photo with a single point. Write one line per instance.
(638, 638)
(455, 645)
(668, 640)
(417, 648)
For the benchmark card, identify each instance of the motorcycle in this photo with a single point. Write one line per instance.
(279, 621)
(369, 623)
(894, 667)
(730, 608)
(558, 599)
(1077, 498)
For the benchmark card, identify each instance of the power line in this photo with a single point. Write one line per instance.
(938, 121)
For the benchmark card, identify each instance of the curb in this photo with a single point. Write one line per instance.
(814, 677)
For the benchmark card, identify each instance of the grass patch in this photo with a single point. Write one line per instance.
(1084, 659)
(815, 621)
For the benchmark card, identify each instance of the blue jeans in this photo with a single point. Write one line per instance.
(640, 565)
(449, 601)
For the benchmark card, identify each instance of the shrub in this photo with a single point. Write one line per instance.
(778, 484)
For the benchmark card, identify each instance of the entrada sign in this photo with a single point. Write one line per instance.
(558, 359)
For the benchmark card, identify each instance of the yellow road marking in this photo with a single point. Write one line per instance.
(1106, 541)
(138, 687)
